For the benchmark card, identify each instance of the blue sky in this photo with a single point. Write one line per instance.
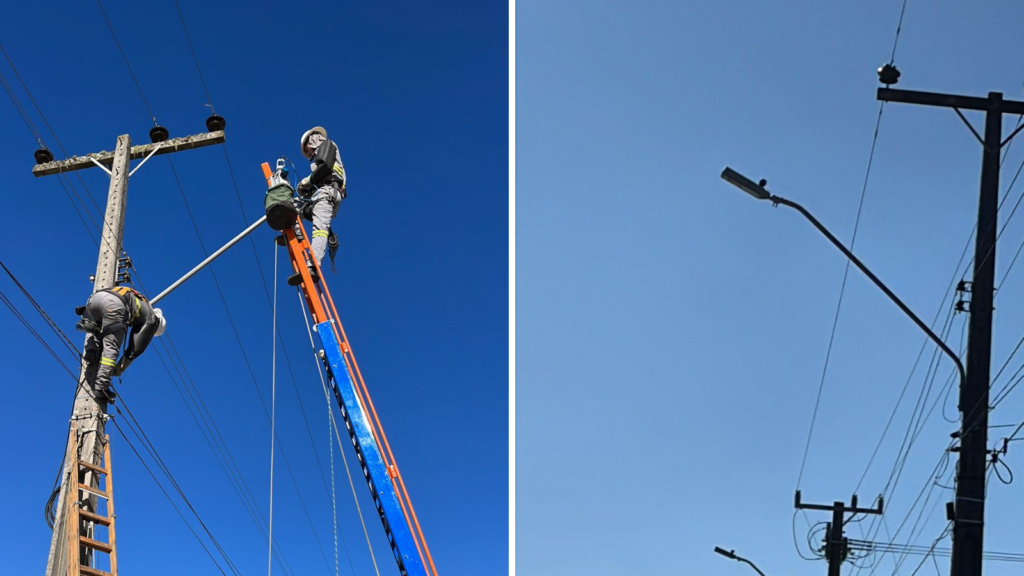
(671, 332)
(416, 98)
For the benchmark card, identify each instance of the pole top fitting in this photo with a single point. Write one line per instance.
(888, 75)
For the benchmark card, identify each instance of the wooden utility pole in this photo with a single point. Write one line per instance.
(969, 509)
(90, 415)
(836, 546)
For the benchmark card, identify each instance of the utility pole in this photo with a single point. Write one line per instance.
(90, 415)
(969, 509)
(836, 545)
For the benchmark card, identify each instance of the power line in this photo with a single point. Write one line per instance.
(194, 57)
(221, 453)
(846, 269)
(134, 79)
(169, 499)
(54, 134)
(63, 337)
(38, 137)
(147, 444)
(902, 457)
(220, 292)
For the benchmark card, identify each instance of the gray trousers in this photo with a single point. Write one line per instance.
(324, 210)
(101, 352)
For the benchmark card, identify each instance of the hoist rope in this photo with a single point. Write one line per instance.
(334, 497)
(273, 415)
(334, 425)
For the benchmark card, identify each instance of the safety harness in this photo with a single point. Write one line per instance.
(132, 301)
(307, 204)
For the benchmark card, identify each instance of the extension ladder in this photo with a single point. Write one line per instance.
(79, 519)
(380, 470)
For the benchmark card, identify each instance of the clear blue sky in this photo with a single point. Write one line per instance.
(416, 97)
(671, 331)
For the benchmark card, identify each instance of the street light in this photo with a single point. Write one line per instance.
(758, 191)
(731, 554)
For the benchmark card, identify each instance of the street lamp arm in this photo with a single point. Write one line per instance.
(731, 554)
(751, 564)
(835, 241)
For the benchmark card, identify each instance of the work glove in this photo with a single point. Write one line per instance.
(307, 211)
(304, 184)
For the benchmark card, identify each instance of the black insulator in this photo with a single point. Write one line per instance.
(158, 134)
(43, 156)
(888, 74)
(215, 123)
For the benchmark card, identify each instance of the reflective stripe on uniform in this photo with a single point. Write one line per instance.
(107, 362)
(317, 233)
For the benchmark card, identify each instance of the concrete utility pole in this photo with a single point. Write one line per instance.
(969, 509)
(90, 415)
(836, 546)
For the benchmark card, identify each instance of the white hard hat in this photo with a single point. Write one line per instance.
(305, 137)
(162, 327)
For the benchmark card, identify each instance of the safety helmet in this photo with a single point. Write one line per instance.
(305, 138)
(162, 326)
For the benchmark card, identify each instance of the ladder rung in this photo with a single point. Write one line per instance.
(86, 515)
(92, 467)
(87, 571)
(96, 544)
(92, 490)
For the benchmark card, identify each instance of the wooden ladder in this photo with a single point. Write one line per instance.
(79, 519)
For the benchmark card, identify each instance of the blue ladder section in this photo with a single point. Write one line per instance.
(397, 529)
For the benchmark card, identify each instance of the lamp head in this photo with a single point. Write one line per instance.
(747, 185)
(727, 553)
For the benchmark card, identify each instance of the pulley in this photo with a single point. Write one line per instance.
(888, 74)
(43, 156)
(158, 134)
(215, 123)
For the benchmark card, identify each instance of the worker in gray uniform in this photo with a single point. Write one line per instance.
(106, 318)
(323, 190)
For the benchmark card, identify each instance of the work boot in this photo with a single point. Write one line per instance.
(105, 396)
(296, 279)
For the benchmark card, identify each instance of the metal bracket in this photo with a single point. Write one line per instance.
(102, 167)
(969, 125)
(155, 148)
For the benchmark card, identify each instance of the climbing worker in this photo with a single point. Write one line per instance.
(106, 317)
(323, 190)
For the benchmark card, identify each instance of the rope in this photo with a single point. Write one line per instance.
(334, 498)
(273, 416)
(334, 425)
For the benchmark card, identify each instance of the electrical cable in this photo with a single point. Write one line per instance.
(169, 499)
(209, 100)
(46, 123)
(150, 448)
(66, 341)
(853, 239)
(130, 71)
(842, 291)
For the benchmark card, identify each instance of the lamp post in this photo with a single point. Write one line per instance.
(758, 191)
(731, 554)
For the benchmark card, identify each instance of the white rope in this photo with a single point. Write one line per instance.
(334, 425)
(334, 498)
(273, 415)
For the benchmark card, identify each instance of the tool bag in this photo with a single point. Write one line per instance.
(280, 207)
